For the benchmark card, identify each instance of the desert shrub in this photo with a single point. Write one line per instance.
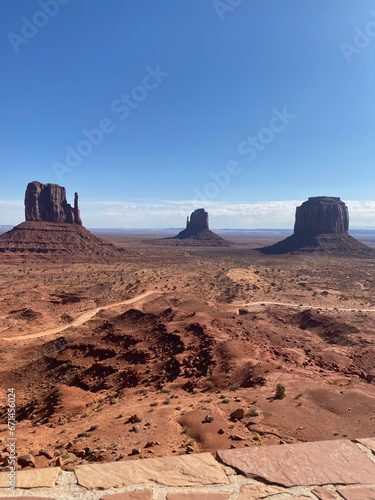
(234, 387)
(254, 412)
(165, 390)
(280, 391)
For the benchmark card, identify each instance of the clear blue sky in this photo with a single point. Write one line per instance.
(224, 72)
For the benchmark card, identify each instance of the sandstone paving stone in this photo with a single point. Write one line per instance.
(184, 470)
(26, 498)
(198, 496)
(358, 493)
(303, 464)
(300, 498)
(36, 478)
(258, 491)
(130, 495)
(324, 494)
(368, 442)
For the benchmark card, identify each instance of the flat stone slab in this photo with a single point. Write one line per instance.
(26, 498)
(184, 470)
(358, 493)
(258, 491)
(368, 442)
(130, 495)
(36, 478)
(303, 464)
(198, 496)
(324, 494)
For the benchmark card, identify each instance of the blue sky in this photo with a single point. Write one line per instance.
(245, 107)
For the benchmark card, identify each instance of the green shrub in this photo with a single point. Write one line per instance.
(280, 391)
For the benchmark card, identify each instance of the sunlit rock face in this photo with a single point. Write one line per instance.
(47, 202)
(322, 215)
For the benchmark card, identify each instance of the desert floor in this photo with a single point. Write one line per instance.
(180, 349)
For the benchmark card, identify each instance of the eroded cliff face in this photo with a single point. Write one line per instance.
(198, 220)
(47, 202)
(322, 215)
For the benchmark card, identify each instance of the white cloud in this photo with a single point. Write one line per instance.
(167, 213)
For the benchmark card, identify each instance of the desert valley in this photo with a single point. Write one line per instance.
(124, 346)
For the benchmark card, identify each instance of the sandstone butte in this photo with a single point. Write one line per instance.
(53, 229)
(321, 224)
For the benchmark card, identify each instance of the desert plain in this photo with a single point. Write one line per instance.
(179, 349)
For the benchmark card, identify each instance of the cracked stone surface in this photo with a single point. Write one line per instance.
(198, 496)
(37, 478)
(324, 494)
(258, 491)
(358, 493)
(191, 470)
(304, 464)
(368, 442)
(130, 495)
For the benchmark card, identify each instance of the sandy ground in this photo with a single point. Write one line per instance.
(105, 358)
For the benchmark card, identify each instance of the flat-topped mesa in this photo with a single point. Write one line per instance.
(47, 202)
(322, 215)
(198, 220)
(321, 225)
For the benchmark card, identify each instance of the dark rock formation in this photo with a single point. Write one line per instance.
(198, 222)
(197, 232)
(54, 229)
(322, 215)
(198, 219)
(47, 202)
(321, 224)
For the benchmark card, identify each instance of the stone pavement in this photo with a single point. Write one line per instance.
(324, 470)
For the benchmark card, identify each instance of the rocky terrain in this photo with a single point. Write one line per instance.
(201, 355)
(176, 350)
(321, 225)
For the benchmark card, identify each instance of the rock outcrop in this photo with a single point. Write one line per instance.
(54, 229)
(322, 225)
(197, 232)
(198, 222)
(47, 202)
(322, 215)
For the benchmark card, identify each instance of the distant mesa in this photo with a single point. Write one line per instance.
(198, 222)
(322, 224)
(196, 234)
(54, 228)
(47, 202)
(197, 231)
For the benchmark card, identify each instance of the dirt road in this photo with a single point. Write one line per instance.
(323, 308)
(80, 320)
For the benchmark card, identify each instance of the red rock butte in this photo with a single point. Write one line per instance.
(321, 225)
(53, 228)
(197, 231)
(47, 202)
